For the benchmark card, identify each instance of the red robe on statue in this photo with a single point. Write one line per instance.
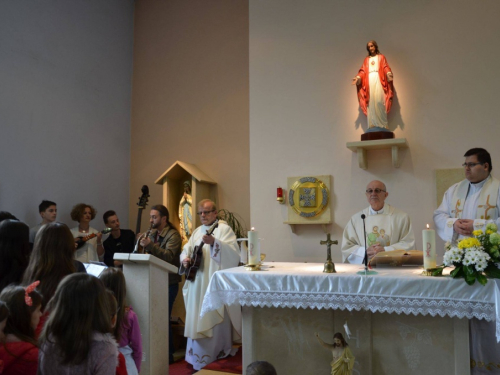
(364, 87)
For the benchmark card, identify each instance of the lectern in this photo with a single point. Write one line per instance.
(147, 292)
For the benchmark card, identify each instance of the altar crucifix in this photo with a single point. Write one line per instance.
(329, 266)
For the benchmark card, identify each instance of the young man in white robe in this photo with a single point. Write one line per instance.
(469, 205)
(472, 203)
(209, 337)
(395, 224)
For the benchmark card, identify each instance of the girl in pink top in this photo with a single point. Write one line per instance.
(127, 331)
(19, 352)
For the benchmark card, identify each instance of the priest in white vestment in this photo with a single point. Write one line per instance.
(387, 228)
(472, 203)
(469, 205)
(209, 337)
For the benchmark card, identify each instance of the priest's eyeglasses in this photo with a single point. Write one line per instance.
(377, 191)
(204, 212)
(470, 165)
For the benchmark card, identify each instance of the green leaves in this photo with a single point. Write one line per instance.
(492, 271)
(438, 271)
(457, 272)
(470, 274)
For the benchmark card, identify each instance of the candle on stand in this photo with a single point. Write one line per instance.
(429, 242)
(253, 247)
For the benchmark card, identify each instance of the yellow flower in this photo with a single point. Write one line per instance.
(468, 242)
(478, 232)
(489, 231)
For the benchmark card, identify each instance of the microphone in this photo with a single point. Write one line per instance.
(365, 260)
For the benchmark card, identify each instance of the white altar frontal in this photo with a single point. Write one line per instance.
(400, 322)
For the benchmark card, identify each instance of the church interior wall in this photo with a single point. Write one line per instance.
(65, 73)
(259, 89)
(303, 109)
(190, 97)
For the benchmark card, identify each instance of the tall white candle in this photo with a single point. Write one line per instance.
(253, 247)
(429, 242)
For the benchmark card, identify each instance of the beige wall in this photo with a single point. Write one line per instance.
(190, 97)
(303, 110)
(65, 73)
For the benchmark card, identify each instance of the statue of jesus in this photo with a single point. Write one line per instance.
(375, 88)
(343, 360)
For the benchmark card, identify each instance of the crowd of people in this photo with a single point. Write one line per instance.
(54, 317)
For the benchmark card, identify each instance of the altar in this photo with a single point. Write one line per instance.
(400, 321)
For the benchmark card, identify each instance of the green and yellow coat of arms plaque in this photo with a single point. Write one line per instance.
(309, 200)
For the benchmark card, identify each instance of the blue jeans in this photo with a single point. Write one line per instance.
(172, 293)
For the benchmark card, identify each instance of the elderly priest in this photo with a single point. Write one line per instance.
(387, 228)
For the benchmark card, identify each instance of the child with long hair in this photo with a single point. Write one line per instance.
(121, 369)
(127, 330)
(19, 352)
(51, 260)
(14, 251)
(76, 337)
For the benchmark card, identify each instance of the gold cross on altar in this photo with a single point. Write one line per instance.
(329, 266)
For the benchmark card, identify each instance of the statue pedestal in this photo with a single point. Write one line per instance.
(372, 136)
(362, 146)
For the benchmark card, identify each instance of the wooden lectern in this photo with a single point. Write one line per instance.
(147, 292)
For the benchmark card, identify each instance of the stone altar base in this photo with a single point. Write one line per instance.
(382, 343)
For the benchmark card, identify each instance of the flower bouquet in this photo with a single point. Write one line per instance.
(474, 258)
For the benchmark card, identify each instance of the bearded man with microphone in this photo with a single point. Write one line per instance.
(387, 228)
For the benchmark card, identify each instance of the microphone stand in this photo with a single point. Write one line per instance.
(365, 260)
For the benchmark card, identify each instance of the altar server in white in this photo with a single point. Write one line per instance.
(469, 205)
(387, 228)
(209, 337)
(472, 203)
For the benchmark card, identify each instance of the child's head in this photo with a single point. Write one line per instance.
(24, 306)
(14, 251)
(78, 310)
(4, 314)
(113, 307)
(114, 280)
(52, 258)
(261, 368)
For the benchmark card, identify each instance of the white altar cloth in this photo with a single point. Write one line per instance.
(392, 290)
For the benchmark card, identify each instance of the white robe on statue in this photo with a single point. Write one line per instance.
(389, 227)
(376, 112)
(210, 337)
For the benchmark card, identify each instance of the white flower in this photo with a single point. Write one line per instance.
(453, 255)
